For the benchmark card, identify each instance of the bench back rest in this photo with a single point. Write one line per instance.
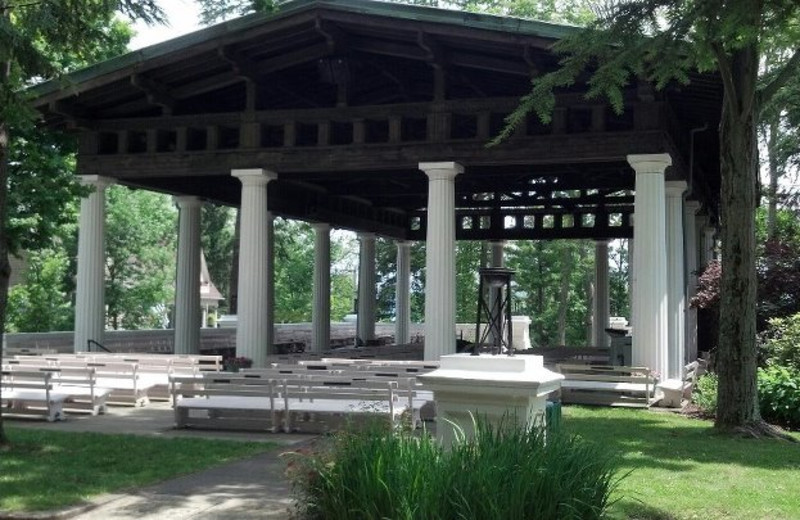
(606, 373)
(27, 380)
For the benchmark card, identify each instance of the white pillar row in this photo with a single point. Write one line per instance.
(402, 295)
(440, 259)
(650, 269)
(600, 316)
(321, 312)
(676, 281)
(366, 287)
(187, 280)
(690, 208)
(90, 309)
(254, 304)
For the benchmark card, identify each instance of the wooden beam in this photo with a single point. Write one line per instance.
(75, 114)
(242, 66)
(335, 38)
(387, 48)
(157, 93)
(434, 52)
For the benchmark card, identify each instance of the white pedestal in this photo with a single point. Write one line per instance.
(491, 387)
(521, 328)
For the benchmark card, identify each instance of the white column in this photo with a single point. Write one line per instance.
(321, 312)
(270, 283)
(366, 287)
(440, 259)
(402, 295)
(690, 208)
(630, 279)
(650, 269)
(187, 283)
(676, 284)
(254, 304)
(90, 309)
(708, 242)
(600, 316)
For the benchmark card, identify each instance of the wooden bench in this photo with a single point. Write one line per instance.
(31, 393)
(675, 391)
(227, 402)
(607, 385)
(323, 405)
(422, 404)
(307, 401)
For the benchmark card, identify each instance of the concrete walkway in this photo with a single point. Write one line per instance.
(250, 488)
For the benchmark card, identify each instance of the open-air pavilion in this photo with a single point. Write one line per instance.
(374, 117)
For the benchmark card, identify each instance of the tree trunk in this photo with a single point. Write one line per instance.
(772, 195)
(539, 293)
(563, 294)
(737, 403)
(5, 267)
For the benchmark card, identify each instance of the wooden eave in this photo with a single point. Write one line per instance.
(445, 78)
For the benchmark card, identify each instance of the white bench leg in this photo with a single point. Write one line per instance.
(55, 412)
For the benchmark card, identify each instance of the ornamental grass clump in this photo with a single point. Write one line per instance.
(504, 474)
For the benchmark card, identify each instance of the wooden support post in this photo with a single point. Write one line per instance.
(290, 134)
(324, 133)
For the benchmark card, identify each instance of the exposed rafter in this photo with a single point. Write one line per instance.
(157, 94)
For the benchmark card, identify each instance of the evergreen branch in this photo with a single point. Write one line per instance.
(789, 70)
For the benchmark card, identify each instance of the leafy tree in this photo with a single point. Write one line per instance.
(619, 279)
(140, 257)
(661, 41)
(33, 35)
(294, 270)
(553, 286)
(217, 239)
(212, 11)
(42, 303)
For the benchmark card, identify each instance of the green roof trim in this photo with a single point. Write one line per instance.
(506, 24)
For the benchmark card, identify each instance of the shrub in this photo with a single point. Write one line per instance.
(504, 473)
(705, 392)
(781, 342)
(779, 395)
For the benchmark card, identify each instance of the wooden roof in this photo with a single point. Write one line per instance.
(343, 99)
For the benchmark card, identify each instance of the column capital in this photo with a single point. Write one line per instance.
(365, 235)
(254, 176)
(97, 181)
(403, 243)
(441, 170)
(653, 163)
(187, 201)
(691, 206)
(675, 188)
(602, 241)
(320, 227)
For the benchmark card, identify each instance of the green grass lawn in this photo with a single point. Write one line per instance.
(46, 470)
(680, 469)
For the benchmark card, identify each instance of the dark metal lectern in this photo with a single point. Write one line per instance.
(494, 310)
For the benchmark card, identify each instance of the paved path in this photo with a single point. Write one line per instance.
(250, 488)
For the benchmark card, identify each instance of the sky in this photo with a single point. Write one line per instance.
(182, 16)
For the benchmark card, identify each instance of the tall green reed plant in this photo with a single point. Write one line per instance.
(504, 473)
